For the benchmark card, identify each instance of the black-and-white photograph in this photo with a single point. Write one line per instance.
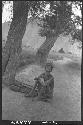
(41, 60)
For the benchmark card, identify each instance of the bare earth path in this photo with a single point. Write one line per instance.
(66, 104)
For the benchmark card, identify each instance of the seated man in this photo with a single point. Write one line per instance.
(44, 84)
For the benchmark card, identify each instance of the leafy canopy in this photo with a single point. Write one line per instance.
(62, 19)
(57, 19)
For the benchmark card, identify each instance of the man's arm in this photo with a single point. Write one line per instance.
(48, 81)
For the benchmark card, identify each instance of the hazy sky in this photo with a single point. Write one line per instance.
(7, 14)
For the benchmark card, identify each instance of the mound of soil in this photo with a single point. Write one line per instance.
(27, 76)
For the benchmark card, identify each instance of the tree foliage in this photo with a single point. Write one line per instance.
(78, 35)
(60, 19)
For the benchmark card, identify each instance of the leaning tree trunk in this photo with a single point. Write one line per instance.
(12, 49)
(45, 48)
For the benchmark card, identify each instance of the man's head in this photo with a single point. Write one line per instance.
(49, 67)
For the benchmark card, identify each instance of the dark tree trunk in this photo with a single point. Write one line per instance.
(45, 48)
(12, 49)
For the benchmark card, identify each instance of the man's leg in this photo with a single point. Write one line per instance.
(43, 96)
(31, 94)
(41, 93)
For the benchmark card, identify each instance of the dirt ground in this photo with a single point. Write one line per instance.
(66, 103)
